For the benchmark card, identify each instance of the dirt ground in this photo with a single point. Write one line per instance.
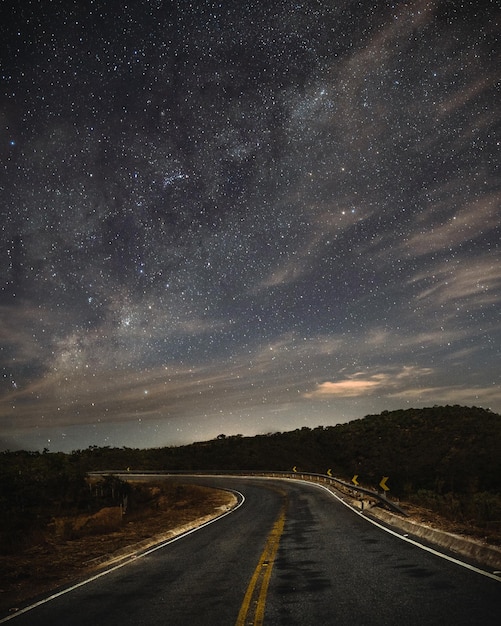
(55, 562)
(490, 536)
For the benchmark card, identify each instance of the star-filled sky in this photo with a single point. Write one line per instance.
(245, 217)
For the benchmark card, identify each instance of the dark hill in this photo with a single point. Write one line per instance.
(447, 459)
(449, 448)
(442, 448)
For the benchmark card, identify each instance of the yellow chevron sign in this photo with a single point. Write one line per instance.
(383, 484)
(354, 480)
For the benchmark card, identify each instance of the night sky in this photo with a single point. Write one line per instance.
(245, 217)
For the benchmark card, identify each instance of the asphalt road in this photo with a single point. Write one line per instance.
(291, 554)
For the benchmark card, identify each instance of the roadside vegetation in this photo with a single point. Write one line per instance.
(47, 499)
(444, 458)
(46, 542)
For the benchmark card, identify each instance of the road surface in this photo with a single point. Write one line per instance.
(291, 554)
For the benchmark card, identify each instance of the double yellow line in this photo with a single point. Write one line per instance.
(252, 609)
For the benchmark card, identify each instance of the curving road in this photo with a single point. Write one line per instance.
(291, 554)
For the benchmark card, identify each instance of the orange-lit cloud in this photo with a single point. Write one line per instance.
(361, 384)
(344, 388)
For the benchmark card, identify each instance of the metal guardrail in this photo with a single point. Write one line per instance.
(312, 477)
(381, 498)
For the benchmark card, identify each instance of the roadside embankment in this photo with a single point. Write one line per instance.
(465, 546)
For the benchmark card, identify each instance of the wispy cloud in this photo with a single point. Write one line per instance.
(361, 384)
(327, 223)
(451, 395)
(465, 96)
(409, 384)
(347, 388)
(18, 330)
(469, 222)
(478, 281)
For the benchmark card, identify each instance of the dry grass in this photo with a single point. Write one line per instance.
(74, 546)
(106, 520)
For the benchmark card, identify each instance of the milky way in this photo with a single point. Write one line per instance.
(245, 217)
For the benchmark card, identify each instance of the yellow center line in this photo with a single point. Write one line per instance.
(253, 605)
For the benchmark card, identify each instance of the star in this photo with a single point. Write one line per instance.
(245, 218)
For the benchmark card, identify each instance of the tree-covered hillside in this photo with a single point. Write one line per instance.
(446, 458)
(446, 448)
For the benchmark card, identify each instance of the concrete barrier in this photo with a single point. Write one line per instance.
(465, 546)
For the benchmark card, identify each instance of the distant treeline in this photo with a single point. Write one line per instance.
(446, 457)
(442, 448)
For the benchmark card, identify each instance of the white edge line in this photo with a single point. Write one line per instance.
(407, 539)
(126, 562)
(189, 532)
(385, 528)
